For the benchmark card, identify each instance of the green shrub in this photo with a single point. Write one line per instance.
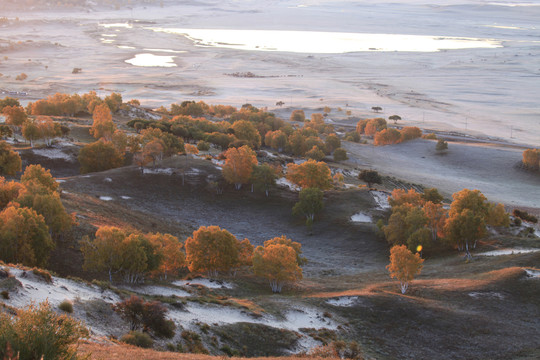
(5, 294)
(203, 146)
(523, 215)
(66, 306)
(441, 145)
(137, 338)
(38, 332)
(340, 154)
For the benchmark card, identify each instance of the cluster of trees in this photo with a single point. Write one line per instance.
(209, 250)
(383, 135)
(70, 105)
(132, 254)
(420, 219)
(531, 159)
(32, 217)
(40, 127)
(214, 250)
(249, 126)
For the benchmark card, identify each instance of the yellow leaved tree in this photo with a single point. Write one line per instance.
(404, 265)
(239, 165)
(278, 261)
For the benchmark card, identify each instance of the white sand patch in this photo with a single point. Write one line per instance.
(284, 182)
(60, 181)
(302, 318)
(165, 171)
(381, 198)
(218, 167)
(105, 198)
(299, 161)
(53, 153)
(325, 42)
(209, 283)
(350, 173)
(345, 301)
(507, 252)
(218, 162)
(490, 294)
(125, 47)
(214, 314)
(533, 273)
(167, 51)
(117, 25)
(106, 41)
(125, 197)
(157, 290)
(269, 154)
(361, 218)
(151, 60)
(35, 290)
(108, 179)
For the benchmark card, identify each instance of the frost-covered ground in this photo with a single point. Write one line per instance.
(34, 288)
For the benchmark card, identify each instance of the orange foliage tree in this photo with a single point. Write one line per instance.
(212, 250)
(103, 126)
(410, 133)
(387, 137)
(278, 263)
(100, 156)
(10, 161)
(239, 165)
(170, 249)
(245, 130)
(15, 115)
(310, 174)
(531, 158)
(404, 266)
(24, 237)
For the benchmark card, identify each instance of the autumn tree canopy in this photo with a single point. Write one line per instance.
(278, 263)
(10, 161)
(100, 156)
(24, 237)
(239, 165)
(103, 126)
(404, 266)
(212, 250)
(310, 174)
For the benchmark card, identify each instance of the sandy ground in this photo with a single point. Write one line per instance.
(492, 169)
(484, 92)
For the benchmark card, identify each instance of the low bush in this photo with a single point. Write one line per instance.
(66, 306)
(5, 294)
(37, 332)
(137, 338)
(523, 215)
(203, 146)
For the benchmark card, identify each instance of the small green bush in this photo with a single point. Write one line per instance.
(66, 306)
(5, 294)
(203, 146)
(340, 154)
(441, 145)
(137, 338)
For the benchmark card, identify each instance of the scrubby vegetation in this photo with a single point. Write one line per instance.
(127, 246)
